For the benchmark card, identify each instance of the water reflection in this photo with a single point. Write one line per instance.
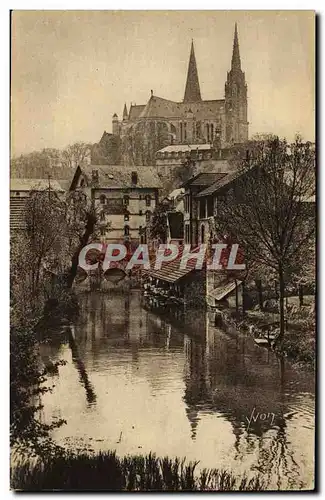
(176, 385)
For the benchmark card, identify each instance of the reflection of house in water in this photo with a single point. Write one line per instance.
(230, 377)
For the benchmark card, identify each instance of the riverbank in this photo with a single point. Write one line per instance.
(299, 343)
(108, 472)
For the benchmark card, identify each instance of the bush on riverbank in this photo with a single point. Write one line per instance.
(108, 472)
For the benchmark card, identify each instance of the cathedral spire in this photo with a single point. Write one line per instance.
(125, 112)
(192, 88)
(235, 61)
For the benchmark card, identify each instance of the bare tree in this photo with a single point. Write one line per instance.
(76, 154)
(265, 208)
(83, 220)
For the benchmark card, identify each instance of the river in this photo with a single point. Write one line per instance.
(136, 381)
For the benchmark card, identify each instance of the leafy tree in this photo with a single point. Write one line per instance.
(265, 207)
(158, 224)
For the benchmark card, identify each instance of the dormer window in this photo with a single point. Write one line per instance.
(134, 178)
(94, 175)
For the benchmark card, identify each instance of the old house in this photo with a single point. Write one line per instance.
(20, 190)
(125, 198)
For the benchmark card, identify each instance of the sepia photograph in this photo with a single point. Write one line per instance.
(162, 250)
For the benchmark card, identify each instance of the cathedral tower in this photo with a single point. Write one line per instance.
(236, 99)
(192, 88)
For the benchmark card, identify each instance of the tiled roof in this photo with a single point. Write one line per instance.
(222, 291)
(218, 184)
(184, 148)
(157, 107)
(171, 272)
(136, 110)
(119, 176)
(34, 184)
(204, 179)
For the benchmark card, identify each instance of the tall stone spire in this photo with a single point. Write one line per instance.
(235, 60)
(125, 112)
(192, 88)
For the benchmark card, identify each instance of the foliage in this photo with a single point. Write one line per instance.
(107, 151)
(141, 141)
(76, 154)
(158, 224)
(264, 208)
(185, 171)
(27, 384)
(108, 472)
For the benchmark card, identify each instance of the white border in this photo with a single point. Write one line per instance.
(4, 169)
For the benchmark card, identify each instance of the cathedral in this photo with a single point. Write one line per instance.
(144, 129)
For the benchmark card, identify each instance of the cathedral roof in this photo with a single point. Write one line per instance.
(192, 88)
(157, 107)
(136, 110)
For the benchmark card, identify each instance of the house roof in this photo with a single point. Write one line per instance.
(203, 179)
(171, 272)
(222, 291)
(27, 171)
(119, 176)
(185, 148)
(34, 185)
(157, 107)
(222, 181)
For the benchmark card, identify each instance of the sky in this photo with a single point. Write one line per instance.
(72, 70)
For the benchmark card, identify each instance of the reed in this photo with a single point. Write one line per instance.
(108, 472)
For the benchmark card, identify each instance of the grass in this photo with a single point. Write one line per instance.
(108, 472)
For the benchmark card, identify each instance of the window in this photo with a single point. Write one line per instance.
(181, 131)
(202, 208)
(210, 206)
(126, 200)
(211, 132)
(187, 233)
(148, 215)
(102, 199)
(202, 234)
(140, 196)
(148, 200)
(185, 133)
(140, 229)
(140, 212)
(187, 203)
(82, 182)
(17, 193)
(134, 178)
(126, 216)
(126, 230)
